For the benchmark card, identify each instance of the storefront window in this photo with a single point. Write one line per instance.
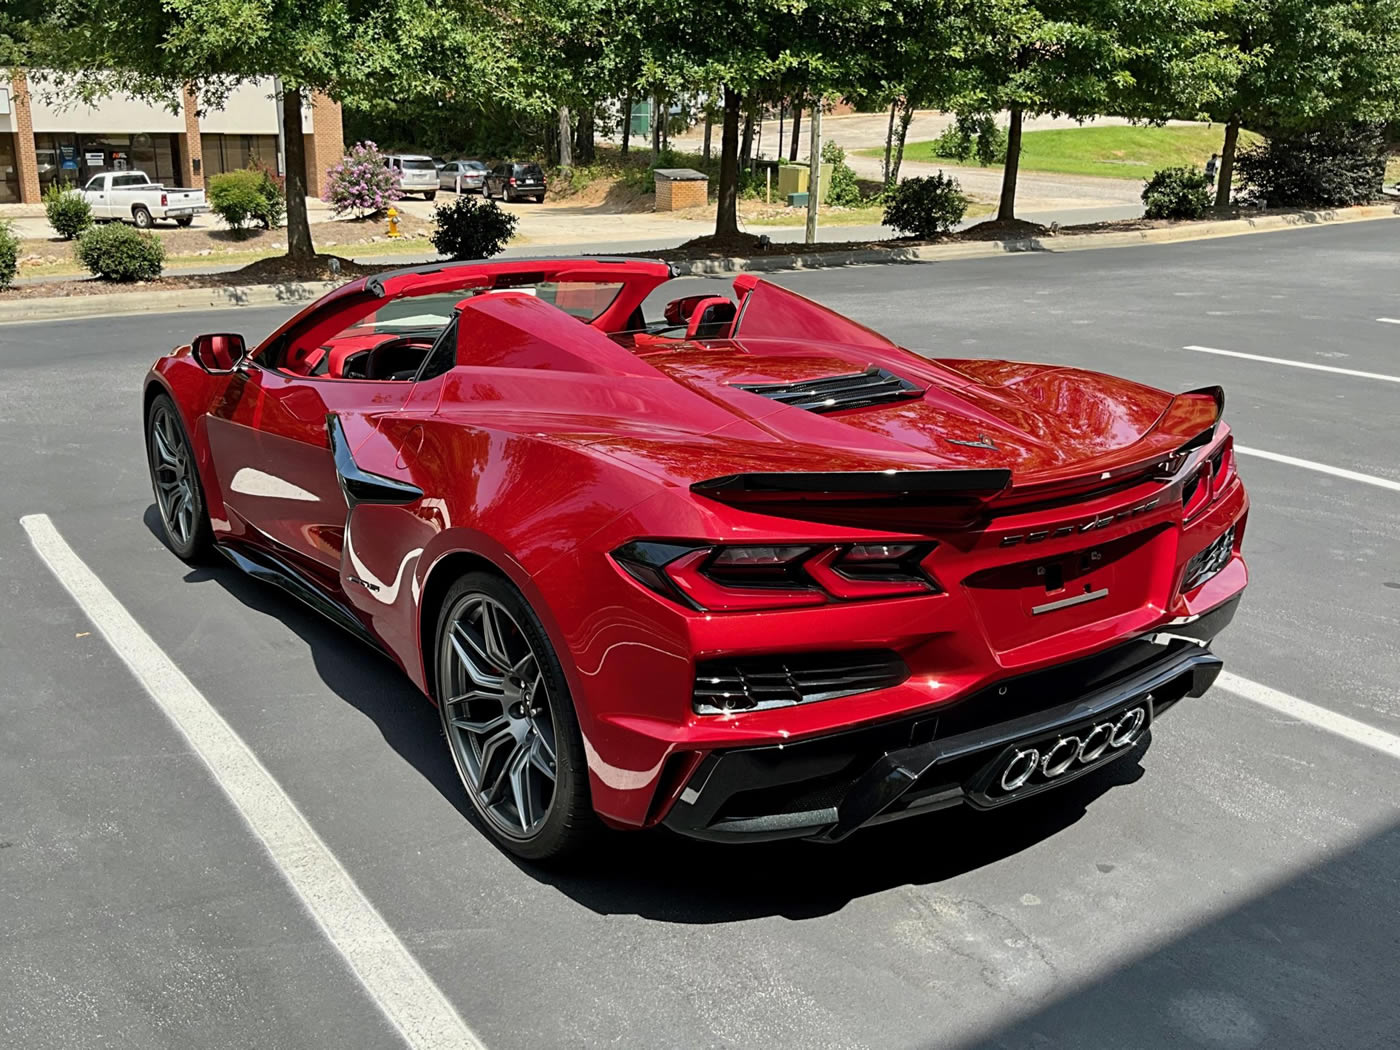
(9, 187)
(74, 159)
(231, 152)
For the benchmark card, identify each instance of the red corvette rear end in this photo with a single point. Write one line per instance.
(748, 568)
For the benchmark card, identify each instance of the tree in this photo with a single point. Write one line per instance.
(349, 50)
(1294, 65)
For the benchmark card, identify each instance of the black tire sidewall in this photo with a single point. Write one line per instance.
(571, 820)
(142, 218)
(201, 543)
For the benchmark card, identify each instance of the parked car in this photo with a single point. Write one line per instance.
(462, 176)
(417, 174)
(130, 196)
(515, 179)
(744, 568)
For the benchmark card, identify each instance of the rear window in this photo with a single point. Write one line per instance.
(473, 165)
(582, 299)
(418, 165)
(531, 170)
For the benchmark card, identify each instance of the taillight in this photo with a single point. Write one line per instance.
(512, 181)
(1222, 467)
(164, 200)
(778, 576)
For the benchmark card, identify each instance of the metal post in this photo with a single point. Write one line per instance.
(814, 171)
(281, 127)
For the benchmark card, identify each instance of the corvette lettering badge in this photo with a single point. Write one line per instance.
(1103, 521)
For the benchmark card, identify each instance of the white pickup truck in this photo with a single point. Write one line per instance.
(132, 197)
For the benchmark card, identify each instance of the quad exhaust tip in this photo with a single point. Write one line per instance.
(1069, 751)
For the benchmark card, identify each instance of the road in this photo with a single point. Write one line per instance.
(1232, 886)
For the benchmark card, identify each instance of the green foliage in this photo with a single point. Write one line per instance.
(240, 198)
(1333, 167)
(972, 135)
(843, 190)
(470, 228)
(272, 208)
(9, 255)
(1177, 193)
(68, 211)
(925, 207)
(118, 252)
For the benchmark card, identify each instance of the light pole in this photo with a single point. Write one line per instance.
(814, 171)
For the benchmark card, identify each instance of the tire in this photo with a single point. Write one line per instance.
(539, 199)
(142, 217)
(185, 222)
(511, 749)
(505, 195)
(180, 503)
(430, 195)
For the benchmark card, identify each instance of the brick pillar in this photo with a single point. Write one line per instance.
(325, 146)
(191, 147)
(25, 160)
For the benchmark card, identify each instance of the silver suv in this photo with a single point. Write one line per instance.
(417, 173)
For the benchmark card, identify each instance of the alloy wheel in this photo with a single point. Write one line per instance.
(498, 715)
(173, 470)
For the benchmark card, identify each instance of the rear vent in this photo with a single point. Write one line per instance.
(760, 683)
(874, 386)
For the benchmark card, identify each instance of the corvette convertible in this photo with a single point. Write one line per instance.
(728, 563)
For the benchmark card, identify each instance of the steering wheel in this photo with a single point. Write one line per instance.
(399, 357)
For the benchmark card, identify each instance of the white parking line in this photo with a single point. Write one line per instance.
(1388, 320)
(1303, 711)
(400, 988)
(1295, 364)
(1321, 468)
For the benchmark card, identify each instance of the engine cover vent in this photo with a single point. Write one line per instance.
(874, 386)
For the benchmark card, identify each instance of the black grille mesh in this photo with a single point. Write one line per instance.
(759, 683)
(874, 386)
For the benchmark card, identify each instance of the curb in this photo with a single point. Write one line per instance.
(1196, 231)
(195, 299)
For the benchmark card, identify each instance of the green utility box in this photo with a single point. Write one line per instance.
(797, 200)
(793, 178)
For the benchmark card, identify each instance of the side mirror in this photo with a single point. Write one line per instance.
(219, 354)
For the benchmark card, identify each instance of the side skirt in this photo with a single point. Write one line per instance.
(270, 569)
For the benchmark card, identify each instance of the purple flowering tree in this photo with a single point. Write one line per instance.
(361, 182)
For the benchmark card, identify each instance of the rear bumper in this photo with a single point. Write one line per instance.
(828, 787)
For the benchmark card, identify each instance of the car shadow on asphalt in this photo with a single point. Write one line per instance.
(656, 874)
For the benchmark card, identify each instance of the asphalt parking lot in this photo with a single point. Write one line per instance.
(1234, 885)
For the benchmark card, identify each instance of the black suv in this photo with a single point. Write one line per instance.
(513, 180)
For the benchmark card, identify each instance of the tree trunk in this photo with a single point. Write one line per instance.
(626, 122)
(1225, 176)
(906, 114)
(655, 126)
(889, 143)
(727, 214)
(566, 139)
(796, 127)
(782, 125)
(299, 244)
(583, 136)
(746, 142)
(1006, 210)
(709, 124)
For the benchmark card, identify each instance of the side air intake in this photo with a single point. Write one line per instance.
(874, 386)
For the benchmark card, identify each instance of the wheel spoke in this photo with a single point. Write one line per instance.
(471, 660)
(479, 726)
(503, 741)
(542, 756)
(162, 444)
(521, 788)
(491, 637)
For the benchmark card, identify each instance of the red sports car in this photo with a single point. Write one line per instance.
(738, 566)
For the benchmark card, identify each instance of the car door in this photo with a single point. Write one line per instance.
(272, 453)
(99, 196)
(447, 176)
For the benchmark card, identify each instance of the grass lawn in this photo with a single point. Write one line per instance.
(1117, 152)
(870, 215)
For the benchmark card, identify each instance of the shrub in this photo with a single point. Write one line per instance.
(470, 228)
(972, 136)
(925, 207)
(1177, 193)
(844, 191)
(272, 190)
(236, 197)
(9, 255)
(361, 183)
(1325, 168)
(118, 252)
(68, 212)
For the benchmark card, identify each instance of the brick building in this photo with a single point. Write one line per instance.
(42, 142)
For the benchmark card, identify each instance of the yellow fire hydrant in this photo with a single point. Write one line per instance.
(393, 214)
